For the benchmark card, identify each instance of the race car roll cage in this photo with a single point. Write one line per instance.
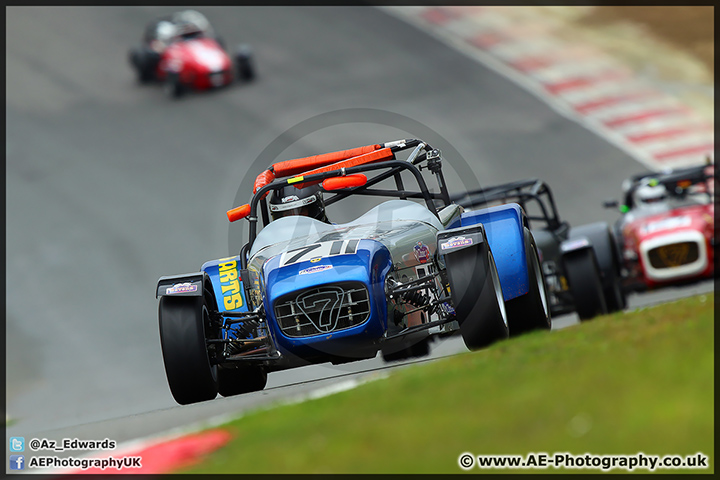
(676, 182)
(521, 192)
(422, 157)
(345, 163)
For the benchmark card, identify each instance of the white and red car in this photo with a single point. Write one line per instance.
(183, 52)
(666, 235)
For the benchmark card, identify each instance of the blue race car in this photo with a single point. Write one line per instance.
(303, 291)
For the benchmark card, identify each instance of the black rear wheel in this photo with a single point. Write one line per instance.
(477, 296)
(530, 311)
(244, 63)
(585, 284)
(183, 323)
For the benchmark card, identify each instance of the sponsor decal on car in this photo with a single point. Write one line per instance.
(186, 287)
(319, 268)
(666, 224)
(456, 242)
(230, 285)
(422, 252)
(575, 244)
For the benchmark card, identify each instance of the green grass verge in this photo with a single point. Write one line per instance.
(617, 385)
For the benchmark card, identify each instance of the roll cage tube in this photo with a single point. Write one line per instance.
(395, 165)
(414, 158)
(669, 180)
(514, 191)
(297, 166)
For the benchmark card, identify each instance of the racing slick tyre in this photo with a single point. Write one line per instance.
(421, 348)
(245, 64)
(173, 87)
(614, 294)
(615, 297)
(477, 296)
(243, 379)
(530, 311)
(144, 62)
(607, 255)
(395, 356)
(585, 284)
(190, 375)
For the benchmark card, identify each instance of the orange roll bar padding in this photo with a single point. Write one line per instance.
(300, 165)
(263, 179)
(376, 156)
(238, 213)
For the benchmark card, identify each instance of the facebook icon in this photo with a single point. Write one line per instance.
(17, 462)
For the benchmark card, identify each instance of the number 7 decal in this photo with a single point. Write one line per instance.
(318, 250)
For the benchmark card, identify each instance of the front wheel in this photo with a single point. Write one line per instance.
(615, 296)
(530, 311)
(245, 64)
(420, 348)
(242, 379)
(585, 284)
(173, 87)
(144, 61)
(190, 375)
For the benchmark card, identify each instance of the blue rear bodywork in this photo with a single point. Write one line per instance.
(504, 229)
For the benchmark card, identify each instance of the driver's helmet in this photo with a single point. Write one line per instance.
(290, 200)
(190, 23)
(650, 194)
(164, 31)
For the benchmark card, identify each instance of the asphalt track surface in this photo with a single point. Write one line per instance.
(111, 184)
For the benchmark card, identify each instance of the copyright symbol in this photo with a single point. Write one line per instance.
(466, 461)
(34, 444)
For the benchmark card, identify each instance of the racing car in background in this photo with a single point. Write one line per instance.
(183, 52)
(581, 264)
(667, 230)
(303, 291)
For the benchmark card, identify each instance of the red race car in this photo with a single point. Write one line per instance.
(183, 52)
(666, 234)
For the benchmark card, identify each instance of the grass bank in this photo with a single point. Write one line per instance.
(620, 384)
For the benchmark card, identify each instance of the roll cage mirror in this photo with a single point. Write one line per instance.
(341, 183)
(611, 203)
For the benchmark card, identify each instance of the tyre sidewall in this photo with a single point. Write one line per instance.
(583, 276)
(486, 323)
(190, 375)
